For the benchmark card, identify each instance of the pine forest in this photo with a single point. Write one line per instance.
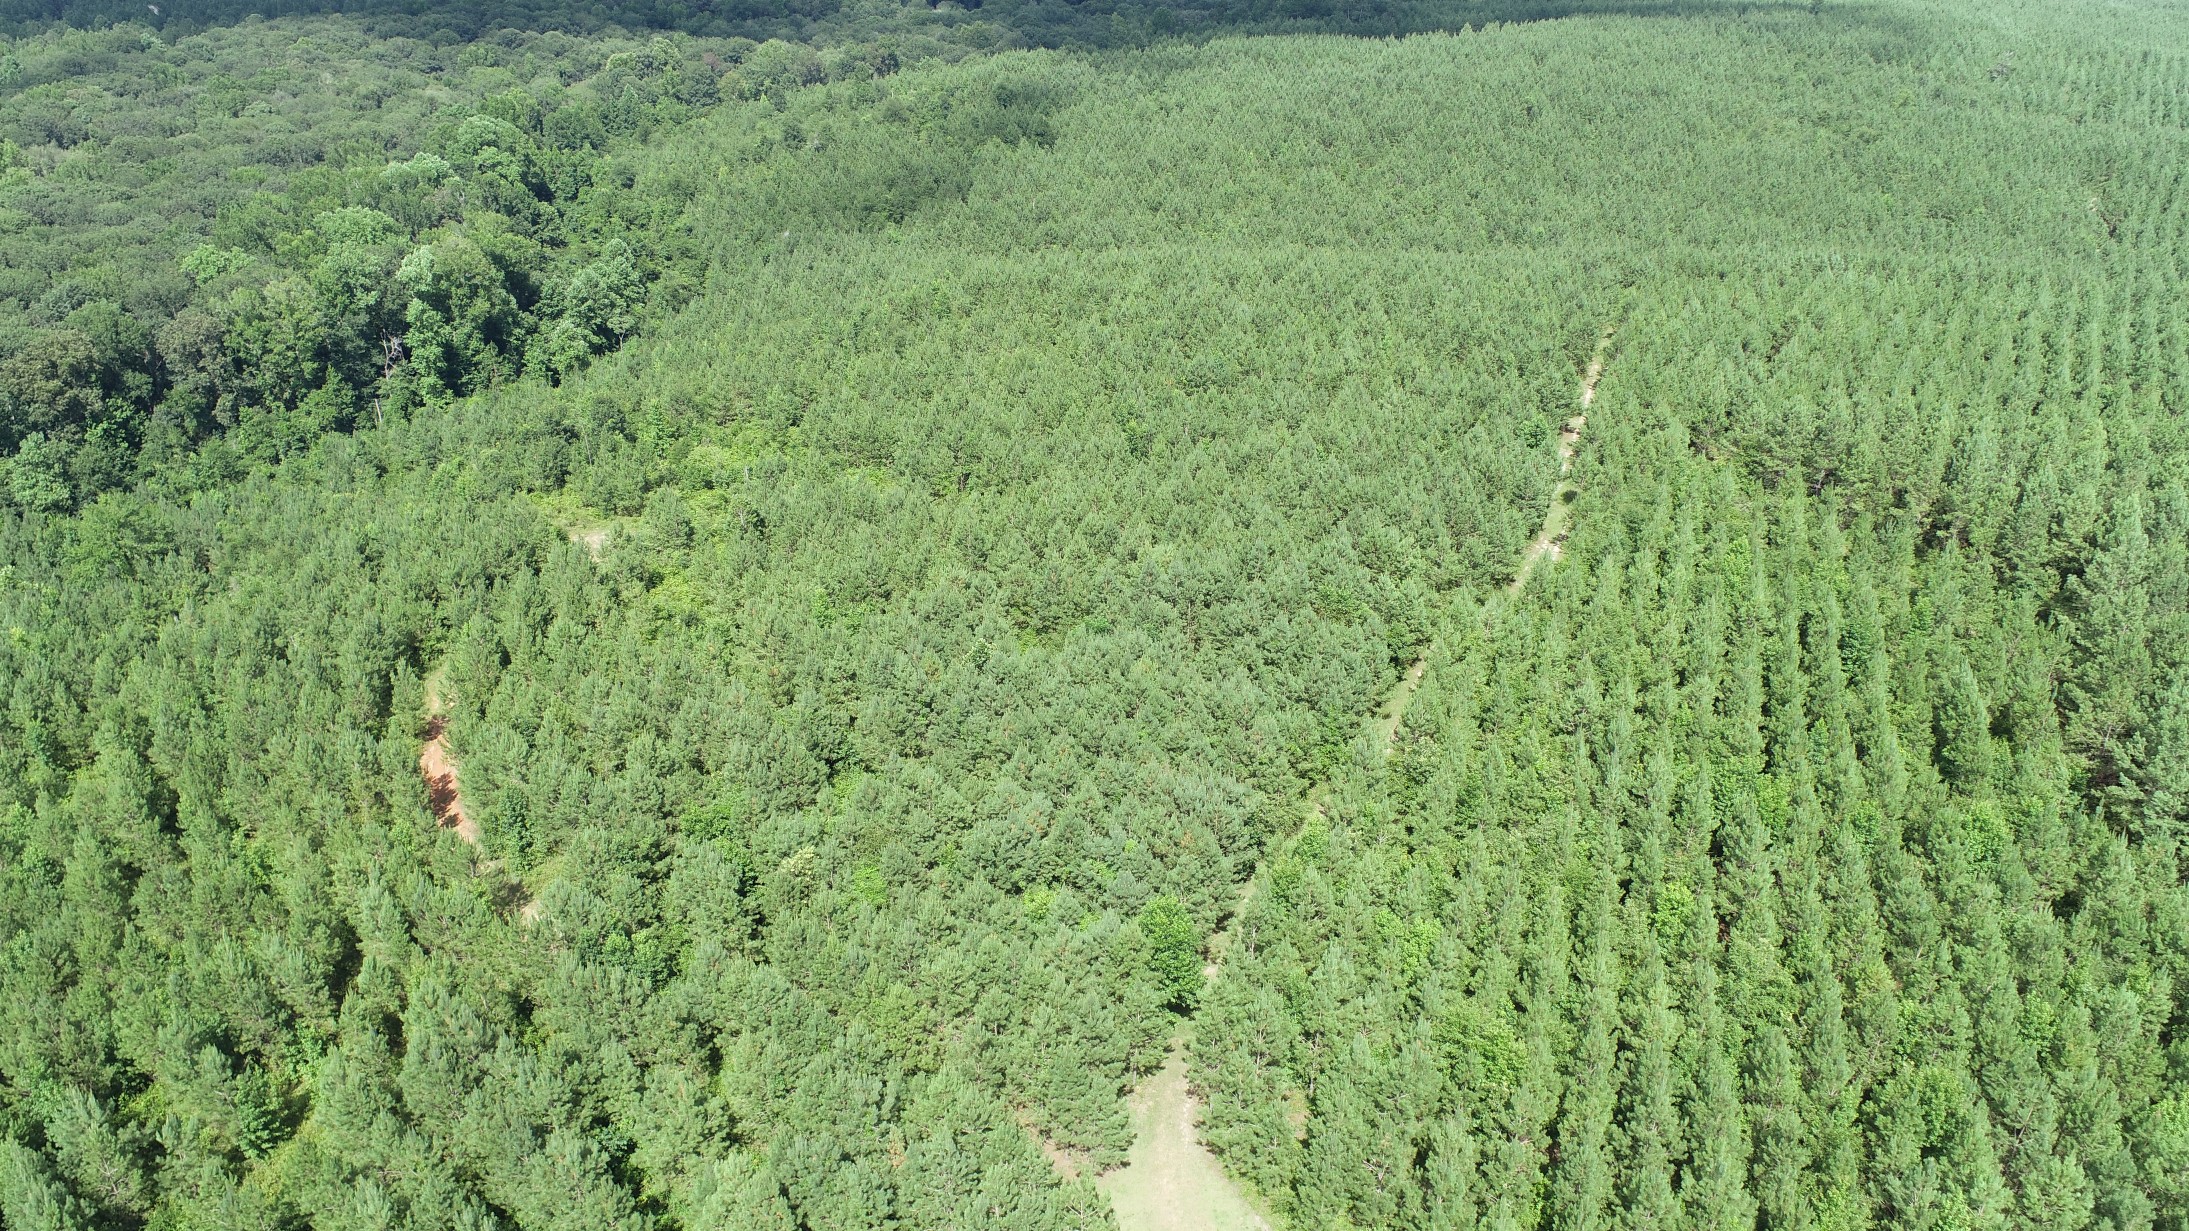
(1303, 615)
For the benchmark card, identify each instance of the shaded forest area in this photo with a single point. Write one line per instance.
(876, 672)
(1079, 24)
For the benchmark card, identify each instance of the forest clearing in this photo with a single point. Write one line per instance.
(1172, 1182)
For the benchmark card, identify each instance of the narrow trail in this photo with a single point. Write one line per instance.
(444, 790)
(1550, 541)
(445, 797)
(1171, 1181)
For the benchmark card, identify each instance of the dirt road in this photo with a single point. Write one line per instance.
(1171, 1182)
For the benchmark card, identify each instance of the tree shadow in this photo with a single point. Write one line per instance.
(1085, 24)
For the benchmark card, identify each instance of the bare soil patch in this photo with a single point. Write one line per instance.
(594, 540)
(445, 798)
(444, 792)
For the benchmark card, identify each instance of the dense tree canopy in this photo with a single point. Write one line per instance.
(894, 550)
(268, 232)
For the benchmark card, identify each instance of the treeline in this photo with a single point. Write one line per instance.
(1080, 24)
(266, 231)
(443, 24)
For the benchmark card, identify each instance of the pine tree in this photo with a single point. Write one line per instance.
(1650, 1116)
(738, 1193)
(100, 1154)
(1448, 1173)
(1964, 729)
(1781, 1140)
(31, 1197)
(2090, 1114)
(2107, 688)
(1583, 1183)
(1714, 1185)
(2166, 805)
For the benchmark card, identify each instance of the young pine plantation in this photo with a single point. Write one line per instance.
(1054, 575)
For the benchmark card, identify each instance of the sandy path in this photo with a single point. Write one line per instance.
(1171, 1182)
(444, 790)
(1394, 706)
(1550, 541)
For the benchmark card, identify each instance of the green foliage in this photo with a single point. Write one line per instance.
(1756, 827)
(1174, 950)
(1674, 910)
(1481, 1050)
(377, 225)
(890, 554)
